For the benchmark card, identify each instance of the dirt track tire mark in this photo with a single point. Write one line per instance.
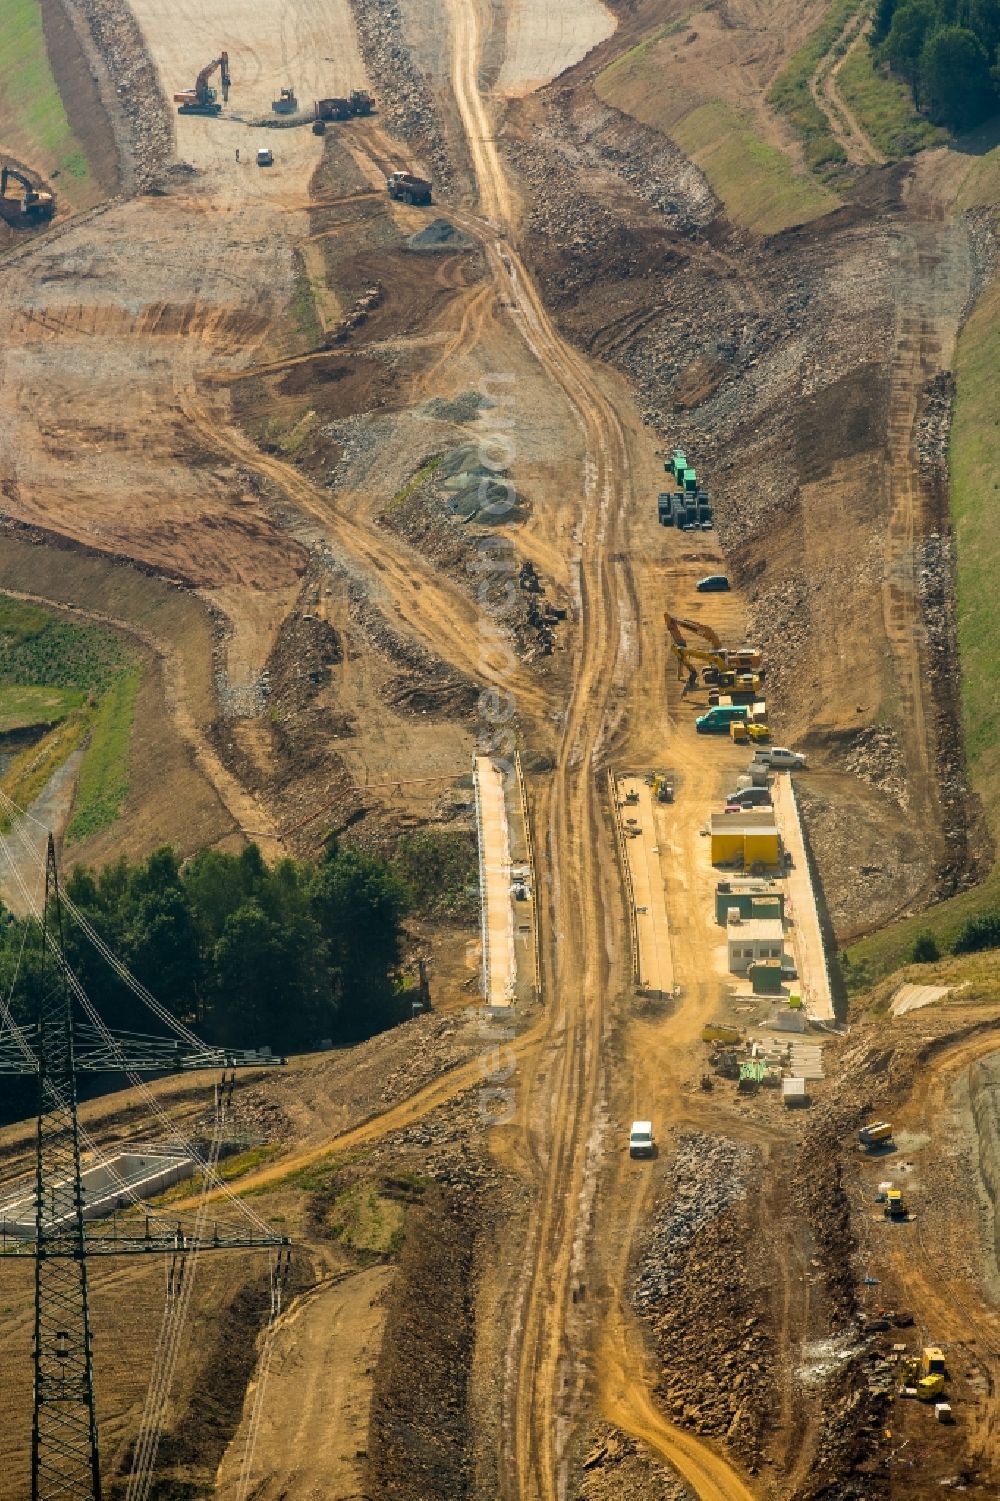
(544, 1380)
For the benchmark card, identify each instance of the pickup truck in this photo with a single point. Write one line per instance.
(778, 757)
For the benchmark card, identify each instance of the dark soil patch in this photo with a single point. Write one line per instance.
(839, 421)
(420, 1432)
(81, 97)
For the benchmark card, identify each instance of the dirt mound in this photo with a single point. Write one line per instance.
(420, 1436)
(439, 234)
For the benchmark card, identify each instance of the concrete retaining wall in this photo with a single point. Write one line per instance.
(107, 1187)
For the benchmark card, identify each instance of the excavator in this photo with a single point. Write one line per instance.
(203, 100)
(723, 663)
(35, 205)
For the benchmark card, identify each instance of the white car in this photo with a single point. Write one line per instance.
(778, 757)
(640, 1140)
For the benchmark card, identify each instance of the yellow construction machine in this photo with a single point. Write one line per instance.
(741, 731)
(722, 663)
(31, 206)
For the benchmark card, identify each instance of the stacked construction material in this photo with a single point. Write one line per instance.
(687, 507)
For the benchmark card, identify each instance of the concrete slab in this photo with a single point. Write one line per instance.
(912, 997)
(656, 968)
(107, 1186)
(800, 906)
(495, 870)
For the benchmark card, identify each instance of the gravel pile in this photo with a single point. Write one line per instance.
(404, 97)
(703, 1292)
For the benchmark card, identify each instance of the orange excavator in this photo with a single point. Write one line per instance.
(203, 99)
(34, 206)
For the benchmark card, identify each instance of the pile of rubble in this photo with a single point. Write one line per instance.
(966, 839)
(703, 1300)
(143, 118)
(615, 1466)
(655, 169)
(874, 754)
(405, 102)
(933, 432)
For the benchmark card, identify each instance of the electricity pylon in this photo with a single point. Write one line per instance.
(65, 1457)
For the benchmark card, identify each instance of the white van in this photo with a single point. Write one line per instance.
(640, 1141)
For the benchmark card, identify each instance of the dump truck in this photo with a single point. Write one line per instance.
(406, 188)
(203, 100)
(286, 103)
(929, 1387)
(332, 109)
(32, 206)
(877, 1134)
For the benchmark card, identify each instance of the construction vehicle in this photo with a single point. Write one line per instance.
(406, 188)
(265, 157)
(332, 109)
(741, 732)
(34, 205)
(895, 1208)
(720, 659)
(286, 103)
(720, 1032)
(878, 1134)
(663, 788)
(932, 1361)
(202, 99)
(929, 1387)
(362, 102)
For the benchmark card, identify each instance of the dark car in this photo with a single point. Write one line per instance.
(715, 583)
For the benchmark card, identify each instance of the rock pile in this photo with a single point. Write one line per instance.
(426, 685)
(405, 102)
(934, 427)
(615, 1466)
(143, 124)
(875, 755)
(705, 1303)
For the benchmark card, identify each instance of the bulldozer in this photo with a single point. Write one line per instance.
(34, 206)
(202, 99)
(286, 103)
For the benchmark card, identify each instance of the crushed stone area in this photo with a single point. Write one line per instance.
(703, 1292)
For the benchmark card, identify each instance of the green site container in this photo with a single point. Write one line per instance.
(690, 480)
(765, 977)
(748, 904)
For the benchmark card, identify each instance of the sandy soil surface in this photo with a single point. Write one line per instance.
(156, 312)
(542, 40)
(318, 1396)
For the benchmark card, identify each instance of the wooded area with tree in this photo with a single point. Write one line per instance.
(246, 954)
(949, 53)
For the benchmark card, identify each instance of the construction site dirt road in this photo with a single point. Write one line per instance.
(248, 406)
